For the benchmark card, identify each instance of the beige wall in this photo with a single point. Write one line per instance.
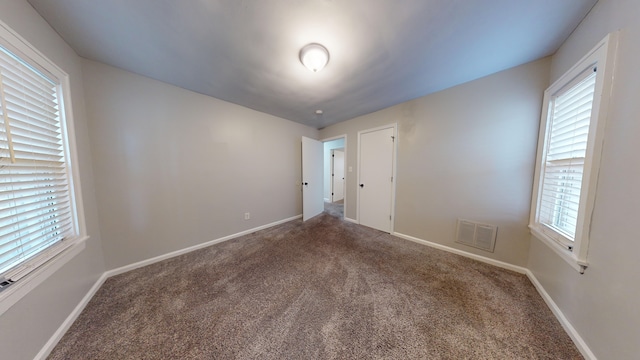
(603, 303)
(175, 168)
(465, 152)
(28, 325)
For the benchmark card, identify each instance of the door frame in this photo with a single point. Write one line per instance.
(346, 174)
(394, 159)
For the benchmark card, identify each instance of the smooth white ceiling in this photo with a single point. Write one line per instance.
(383, 52)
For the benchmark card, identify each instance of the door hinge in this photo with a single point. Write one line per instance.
(392, 179)
(389, 217)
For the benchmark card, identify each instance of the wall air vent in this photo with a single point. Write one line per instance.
(481, 236)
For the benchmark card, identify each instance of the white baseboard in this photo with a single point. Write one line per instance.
(53, 341)
(571, 331)
(156, 259)
(498, 263)
(350, 220)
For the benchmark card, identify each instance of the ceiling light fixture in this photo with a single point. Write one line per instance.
(314, 57)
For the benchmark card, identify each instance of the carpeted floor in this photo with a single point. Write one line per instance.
(335, 209)
(324, 289)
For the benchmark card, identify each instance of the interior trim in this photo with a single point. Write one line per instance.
(484, 259)
(139, 264)
(568, 328)
(566, 325)
(66, 324)
(62, 329)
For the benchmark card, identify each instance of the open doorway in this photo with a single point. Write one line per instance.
(335, 176)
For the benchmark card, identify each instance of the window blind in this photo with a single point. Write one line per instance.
(35, 203)
(563, 165)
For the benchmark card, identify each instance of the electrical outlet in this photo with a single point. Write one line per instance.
(247, 216)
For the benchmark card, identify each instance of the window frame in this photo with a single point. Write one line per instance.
(575, 252)
(43, 265)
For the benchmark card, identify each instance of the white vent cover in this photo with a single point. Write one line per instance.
(481, 236)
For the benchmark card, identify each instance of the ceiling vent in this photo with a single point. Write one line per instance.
(478, 235)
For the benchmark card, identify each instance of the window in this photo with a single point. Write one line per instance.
(569, 147)
(568, 125)
(38, 204)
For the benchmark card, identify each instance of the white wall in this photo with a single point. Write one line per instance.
(28, 325)
(328, 146)
(175, 168)
(468, 152)
(603, 303)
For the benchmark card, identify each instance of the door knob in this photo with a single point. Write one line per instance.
(362, 185)
(305, 184)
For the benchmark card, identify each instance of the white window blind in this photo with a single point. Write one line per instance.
(566, 145)
(35, 199)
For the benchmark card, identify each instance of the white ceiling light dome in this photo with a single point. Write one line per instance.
(314, 56)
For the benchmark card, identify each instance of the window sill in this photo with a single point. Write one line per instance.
(22, 287)
(568, 256)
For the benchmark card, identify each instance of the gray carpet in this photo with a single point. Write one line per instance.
(324, 289)
(334, 209)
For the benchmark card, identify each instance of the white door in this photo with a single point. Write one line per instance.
(312, 183)
(337, 174)
(375, 184)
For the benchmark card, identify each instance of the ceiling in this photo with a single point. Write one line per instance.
(382, 52)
